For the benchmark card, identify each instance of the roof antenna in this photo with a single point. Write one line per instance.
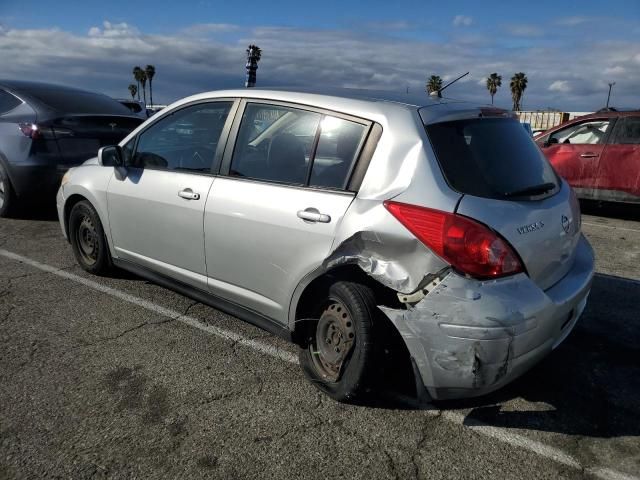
(438, 93)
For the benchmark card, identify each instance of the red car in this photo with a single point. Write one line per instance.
(598, 154)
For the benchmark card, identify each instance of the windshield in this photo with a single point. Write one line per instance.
(491, 157)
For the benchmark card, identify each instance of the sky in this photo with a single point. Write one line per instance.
(569, 50)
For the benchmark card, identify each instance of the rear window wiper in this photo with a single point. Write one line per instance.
(533, 190)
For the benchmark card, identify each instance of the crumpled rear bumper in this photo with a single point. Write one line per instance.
(470, 337)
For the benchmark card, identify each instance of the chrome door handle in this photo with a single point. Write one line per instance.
(313, 215)
(189, 194)
(588, 155)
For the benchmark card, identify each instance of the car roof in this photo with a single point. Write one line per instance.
(47, 98)
(23, 86)
(357, 102)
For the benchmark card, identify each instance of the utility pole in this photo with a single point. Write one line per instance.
(609, 96)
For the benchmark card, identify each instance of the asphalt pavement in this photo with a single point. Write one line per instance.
(120, 378)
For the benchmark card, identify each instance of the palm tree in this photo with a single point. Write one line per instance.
(434, 84)
(493, 82)
(137, 73)
(254, 54)
(143, 82)
(518, 85)
(150, 70)
(133, 90)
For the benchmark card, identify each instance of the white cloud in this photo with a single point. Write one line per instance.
(462, 21)
(188, 64)
(560, 86)
(113, 30)
(572, 21)
(204, 28)
(615, 70)
(520, 30)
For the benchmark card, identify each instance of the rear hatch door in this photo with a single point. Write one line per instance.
(80, 136)
(509, 185)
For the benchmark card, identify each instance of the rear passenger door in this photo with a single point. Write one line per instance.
(271, 217)
(619, 169)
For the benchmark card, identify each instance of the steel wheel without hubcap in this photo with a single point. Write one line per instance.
(335, 338)
(87, 240)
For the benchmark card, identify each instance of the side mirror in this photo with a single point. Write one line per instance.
(550, 141)
(111, 156)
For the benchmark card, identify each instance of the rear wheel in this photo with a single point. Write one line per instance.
(7, 195)
(88, 240)
(339, 355)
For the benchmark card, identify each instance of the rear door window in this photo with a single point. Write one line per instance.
(8, 102)
(294, 146)
(339, 143)
(492, 158)
(628, 131)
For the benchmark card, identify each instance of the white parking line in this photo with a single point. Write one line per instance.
(502, 435)
(167, 312)
(611, 226)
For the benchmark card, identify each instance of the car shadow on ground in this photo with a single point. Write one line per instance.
(622, 211)
(588, 386)
(40, 211)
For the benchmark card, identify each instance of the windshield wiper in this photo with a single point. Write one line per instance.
(533, 190)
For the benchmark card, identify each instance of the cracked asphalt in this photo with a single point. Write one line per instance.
(94, 386)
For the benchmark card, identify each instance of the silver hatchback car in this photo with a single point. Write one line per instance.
(347, 222)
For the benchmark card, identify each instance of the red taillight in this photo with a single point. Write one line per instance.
(469, 246)
(29, 130)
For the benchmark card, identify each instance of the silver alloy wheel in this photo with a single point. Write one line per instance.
(335, 338)
(2, 192)
(87, 240)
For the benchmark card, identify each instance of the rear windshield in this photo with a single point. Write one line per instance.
(491, 157)
(77, 101)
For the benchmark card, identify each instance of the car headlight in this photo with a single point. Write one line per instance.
(66, 178)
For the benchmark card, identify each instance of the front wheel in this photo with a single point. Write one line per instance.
(88, 240)
(339, 355)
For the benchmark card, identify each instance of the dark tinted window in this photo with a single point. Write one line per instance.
(184, 140)
(337, 149)
(489, 157)
(591, 132)
(274, 143)
(7, 102)
(77, 101)
(628, 131)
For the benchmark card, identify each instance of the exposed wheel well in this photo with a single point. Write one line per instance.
(319, 288)
(395, 370)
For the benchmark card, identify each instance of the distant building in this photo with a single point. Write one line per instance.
(545, 119)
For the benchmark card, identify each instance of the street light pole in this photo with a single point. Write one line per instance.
(609, 96)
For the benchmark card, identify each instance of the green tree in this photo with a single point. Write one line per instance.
(137, 74)
(133, 90)
(518, 85)
(493, 82)
(434, 84)
(150, 71)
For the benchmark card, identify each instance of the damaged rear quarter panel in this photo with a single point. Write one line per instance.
(498, 315)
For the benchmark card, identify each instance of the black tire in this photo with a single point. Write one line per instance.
(356, 373)
(7, 194)
(87, 238)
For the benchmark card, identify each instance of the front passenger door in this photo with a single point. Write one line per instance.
(575, 152)
(156, 204)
